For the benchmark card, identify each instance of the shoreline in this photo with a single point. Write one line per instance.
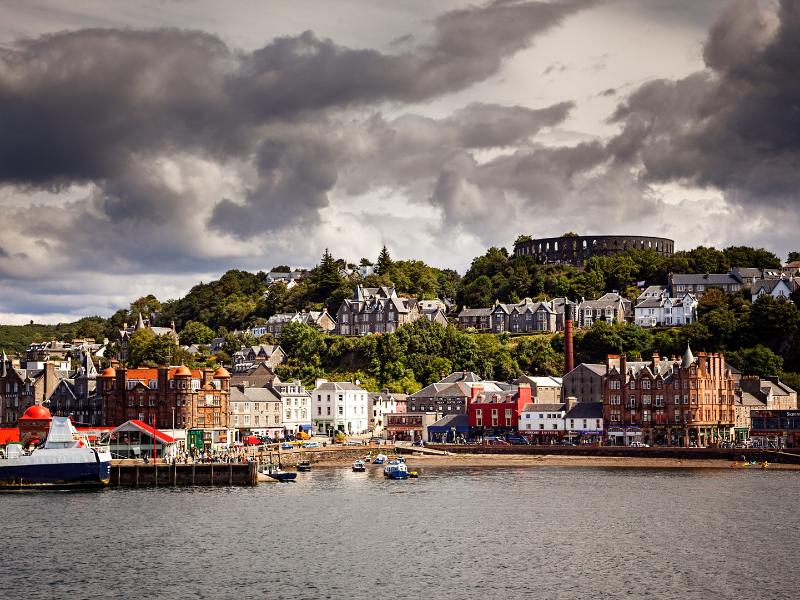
(549, 460)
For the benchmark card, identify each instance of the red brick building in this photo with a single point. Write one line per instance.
(497, 413)
(199, 398)
(677, 402)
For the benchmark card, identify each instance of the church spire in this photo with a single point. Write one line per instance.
(3, 367)
(140, 322)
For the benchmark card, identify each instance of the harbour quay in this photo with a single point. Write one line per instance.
(137, 474)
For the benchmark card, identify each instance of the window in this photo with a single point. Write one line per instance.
(288, 414)
(686, 399)
(614, 385)
(633, 384)
(646, 416)
(677, 399)
(614, 399)
(247, 420)
(341, 410)
(541, 425)
(246, 406)
(615, 416)
(479, 417)
(645, 384)
(646, 399)
(319, 411)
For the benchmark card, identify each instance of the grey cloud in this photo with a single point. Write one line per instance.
(110, 103)
(733, 127)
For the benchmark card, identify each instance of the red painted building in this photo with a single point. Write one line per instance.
(496, 413)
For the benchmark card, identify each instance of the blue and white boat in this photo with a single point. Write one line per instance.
(380, 459)
(395, 470)
(65, 460)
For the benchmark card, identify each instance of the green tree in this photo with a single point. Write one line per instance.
(196, 333)
(745, 256)
(536, 356)
(712, 299)
(146, 305)
(758, 360)
(793, 257)
(774, 322)
(384, 264)
(147, 349)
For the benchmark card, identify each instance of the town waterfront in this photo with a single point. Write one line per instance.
(457, 532)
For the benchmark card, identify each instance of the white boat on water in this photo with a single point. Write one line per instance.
(66, 459)
(359, 466)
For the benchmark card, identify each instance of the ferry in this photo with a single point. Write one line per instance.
(395, 470)
(66, 459)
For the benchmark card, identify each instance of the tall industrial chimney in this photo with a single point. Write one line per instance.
(569, 359)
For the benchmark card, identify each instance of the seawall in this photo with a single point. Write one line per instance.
(729, 454)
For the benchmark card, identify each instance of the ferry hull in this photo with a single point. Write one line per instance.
(78, 474)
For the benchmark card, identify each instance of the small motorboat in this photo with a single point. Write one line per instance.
(303, 466)
(395, 470)
(367, 458)
(413, 474)
(380, 459)
(359, 466)
(278, 474)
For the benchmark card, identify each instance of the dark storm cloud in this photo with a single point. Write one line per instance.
(102, 106)
(735, 126)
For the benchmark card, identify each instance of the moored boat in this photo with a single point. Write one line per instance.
(359, 466)
(395, 470)
(303, 466)
(380, 459)
(275, 472)
(64, 460)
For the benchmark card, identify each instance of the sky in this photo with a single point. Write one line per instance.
(147, 146)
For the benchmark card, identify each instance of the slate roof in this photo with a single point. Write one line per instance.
(704, 279)
(586, 410)
(532, 407)
(340, 386)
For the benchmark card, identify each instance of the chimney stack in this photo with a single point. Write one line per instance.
(569, 358)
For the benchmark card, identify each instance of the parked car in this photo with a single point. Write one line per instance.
(638, 444)
(518, 440)
(354, 443)
(287, 446)
(310, 444)
(495, 441)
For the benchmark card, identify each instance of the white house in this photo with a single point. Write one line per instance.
(542, 422)
(339, 406)
(664, 310)
(777, 288)
(584, 422)
(381, 405)
(296, 406)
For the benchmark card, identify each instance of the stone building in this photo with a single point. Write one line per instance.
(688, 401)
(319, 319)
(575, 250)
(451, 395)
(375, 310)
(585, 383)
(527, 316)
(611, 307)
(21, 388)
(255, 410)
(248, 356)
(76, 396)
(257, 375)
(195, 399)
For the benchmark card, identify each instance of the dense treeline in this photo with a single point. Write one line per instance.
(499, 275)
(416, 355)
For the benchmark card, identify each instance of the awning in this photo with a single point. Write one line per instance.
(305, 427)
(447, 423)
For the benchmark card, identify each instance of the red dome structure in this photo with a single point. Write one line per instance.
(183, 371)
(221, 372)
(109, 372)
(37, 413)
